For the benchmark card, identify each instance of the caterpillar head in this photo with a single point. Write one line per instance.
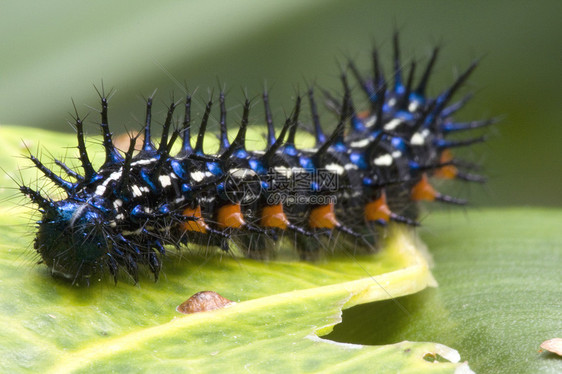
(71, 237)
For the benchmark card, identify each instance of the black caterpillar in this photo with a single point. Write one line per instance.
(367, 172)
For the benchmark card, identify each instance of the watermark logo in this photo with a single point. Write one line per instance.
(243, 186)
(287, 186)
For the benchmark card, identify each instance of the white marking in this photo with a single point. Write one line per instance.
(396, 154)
(198, 176)
(179, 199)
(100, 190)
(384, 160)
(145, 189)
(120, 216)
(417, 139)
(283, 170)
(414, 105)
(392, 124)
(360, 143)
(392, 102)
(117, 203)
(165, 181)
(207, 199)
(371, 121)
(147, 210)
(136, 191)
(335, 168)
(143, 162)
(241, 173)
(420, 140)
(77, 213)
(112, 224)
(113, 177)
(350, 166)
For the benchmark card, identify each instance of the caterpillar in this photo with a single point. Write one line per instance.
(372, 169)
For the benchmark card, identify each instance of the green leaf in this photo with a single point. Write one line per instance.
(71, 329)
(282, 306)
(499, 294)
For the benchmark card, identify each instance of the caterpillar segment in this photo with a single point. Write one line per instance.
(369, 171)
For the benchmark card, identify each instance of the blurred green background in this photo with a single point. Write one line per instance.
(56, 50)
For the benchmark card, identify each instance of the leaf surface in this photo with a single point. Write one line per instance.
(282, 306)
(499, 295)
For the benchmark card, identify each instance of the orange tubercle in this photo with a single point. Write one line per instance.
(423, 190)
(363, 114)
(323, 217)
(199, 225)
(273, 216)
(448, 171)
(230, 216)
(378, 209)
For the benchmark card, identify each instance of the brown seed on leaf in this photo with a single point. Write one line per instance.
(203, 301)
(553, 345)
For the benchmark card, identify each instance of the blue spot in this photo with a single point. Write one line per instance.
(414, 97)
(306, 163)
(137, 212)
(290, 150)
(241, 153)
(95, 177)
(399, 144)
(375, 133)
(406, 116)
(413, 165)
(357, 124)
(449, 126)
(146, 178)
(214, 168)
(358, 159)
(221, 191)
(99, 207)
(186, 188)
(257, 166)
(340, 147)
(441, 143)
(314, 186)
(178, 169)
(164, 209)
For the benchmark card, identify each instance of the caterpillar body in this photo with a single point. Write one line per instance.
(371, 170)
